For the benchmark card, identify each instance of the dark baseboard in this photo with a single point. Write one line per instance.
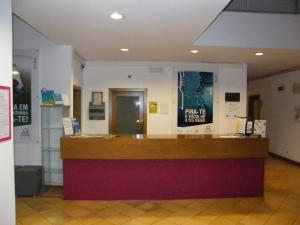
(285, 159)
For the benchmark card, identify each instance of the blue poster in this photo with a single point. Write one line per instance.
(195, 98)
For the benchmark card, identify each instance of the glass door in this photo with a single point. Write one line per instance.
(127, 112)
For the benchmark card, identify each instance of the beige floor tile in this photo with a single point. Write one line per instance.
(250, 203)
(183, 215)
(178, 219)
(133, 212)
(171, 207)
(222, 221)
(226, 203)
(33, 219)
(93, 206)
(160, 212)
(237, 213)
(213, 210)
(56, 216)
(72, 222)
(198, 205)
(118, 220)
(79, 213)
(113, 216)
(147, 206)
(194, 221)
(256, 219)
(204, 218)
(91, 220)
(107, 213)
(133, 222)
(24, 211)
(147, 219)
(66, 206)
(297, 222)
(165, 222)
(120, 206)
(278, 220)
(287, 212)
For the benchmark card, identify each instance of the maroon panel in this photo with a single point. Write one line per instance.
(163, 179)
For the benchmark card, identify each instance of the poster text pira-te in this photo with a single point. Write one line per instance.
(194, 115)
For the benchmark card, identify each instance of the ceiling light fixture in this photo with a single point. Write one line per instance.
(15, 70)
(124, 49)
(194, 51)
(116, 16)
(259, 53)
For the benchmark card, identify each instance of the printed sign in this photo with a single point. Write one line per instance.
(22, 99)
(153, 107)
(195, 98)
(5, 127)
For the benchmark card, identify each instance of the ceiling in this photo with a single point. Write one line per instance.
(153, 30)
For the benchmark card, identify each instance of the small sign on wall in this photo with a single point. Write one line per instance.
(153, 107)
(5, 119)
(232, 105)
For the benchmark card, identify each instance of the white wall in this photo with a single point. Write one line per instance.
(7, 187)
(55, 72)
(278, 110)
(162, 87)
(77, 70)
(265, 30)
(231, 80)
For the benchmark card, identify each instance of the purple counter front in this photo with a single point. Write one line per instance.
(106, 179)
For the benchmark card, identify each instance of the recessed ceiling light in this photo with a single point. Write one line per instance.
(259, 53)
(194, 51)
(116, 16)
(124, 49)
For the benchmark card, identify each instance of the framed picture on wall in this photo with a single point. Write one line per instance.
(97, 97)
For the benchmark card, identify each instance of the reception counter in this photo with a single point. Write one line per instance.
(162, 167)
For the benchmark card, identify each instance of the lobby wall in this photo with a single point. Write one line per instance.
(278, 109)
(7, 187)
(162, 87)
(55, 71)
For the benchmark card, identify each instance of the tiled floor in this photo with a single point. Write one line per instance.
(280, 206)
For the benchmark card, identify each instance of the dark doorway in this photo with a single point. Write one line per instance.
(77, 103)
(254, 107)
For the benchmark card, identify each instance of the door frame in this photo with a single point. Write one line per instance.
(78, 88)
(111, 91)
(251, 99)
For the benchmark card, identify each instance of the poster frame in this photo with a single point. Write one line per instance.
(8, 89)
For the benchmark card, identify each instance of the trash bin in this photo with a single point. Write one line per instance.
(28, 180)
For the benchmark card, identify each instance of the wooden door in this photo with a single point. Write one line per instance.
(254, 107)
(77, 103)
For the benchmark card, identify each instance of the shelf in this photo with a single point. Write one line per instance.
(52, 131)
(51, 149)
(67, 106)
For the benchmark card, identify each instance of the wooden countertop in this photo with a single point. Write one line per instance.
(162, 147)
